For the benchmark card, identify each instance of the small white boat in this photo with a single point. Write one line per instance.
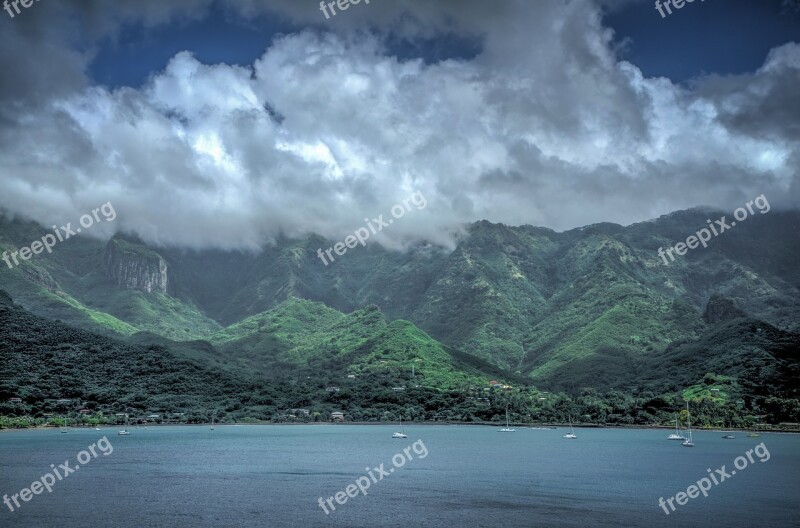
(507, 429)
(571, 434)
(400, 434)
(125, 432)
(676, 435)
(65, 429)
(688, 442)
(212, 420)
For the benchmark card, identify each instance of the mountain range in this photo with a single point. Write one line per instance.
(591, 308)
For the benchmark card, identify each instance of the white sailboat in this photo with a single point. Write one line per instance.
(688, 442)
(571, 434)
(400, 434)
(677, 434)
(66, 425)
(212, 419)
(125, 432)
(507, 429)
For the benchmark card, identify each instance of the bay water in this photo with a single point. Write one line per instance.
(274, 476)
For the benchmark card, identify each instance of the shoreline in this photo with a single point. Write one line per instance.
(552, 426)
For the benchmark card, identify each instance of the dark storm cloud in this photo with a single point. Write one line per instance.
(544, 126)
(765, 103)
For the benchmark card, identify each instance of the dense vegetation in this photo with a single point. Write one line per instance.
(591, 315)
(43, 361)
(303, 337)
(527, 299)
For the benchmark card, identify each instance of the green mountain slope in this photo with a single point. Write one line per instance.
(35, 288)
(73, 284)
(306, 336)
(42, 361)
(741, 371)
(531, 301)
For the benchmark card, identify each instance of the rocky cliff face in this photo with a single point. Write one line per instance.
(137, 268)
(41, 277)
(720, 309)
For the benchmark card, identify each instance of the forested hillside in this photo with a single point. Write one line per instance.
(588, 309)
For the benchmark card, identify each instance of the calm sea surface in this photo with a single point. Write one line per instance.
(272, 476)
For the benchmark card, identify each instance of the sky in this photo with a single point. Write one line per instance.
(225, 124)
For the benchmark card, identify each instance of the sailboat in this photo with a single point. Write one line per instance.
(688, 442)
(400, 434)
(66, 424)
(677, 434)
(729, 436)
(571, 434)
(125, 432)
(507, 429)
(212, 420)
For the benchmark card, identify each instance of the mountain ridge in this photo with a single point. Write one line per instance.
(527, 299)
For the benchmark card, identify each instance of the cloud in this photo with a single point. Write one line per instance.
(545, 126)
